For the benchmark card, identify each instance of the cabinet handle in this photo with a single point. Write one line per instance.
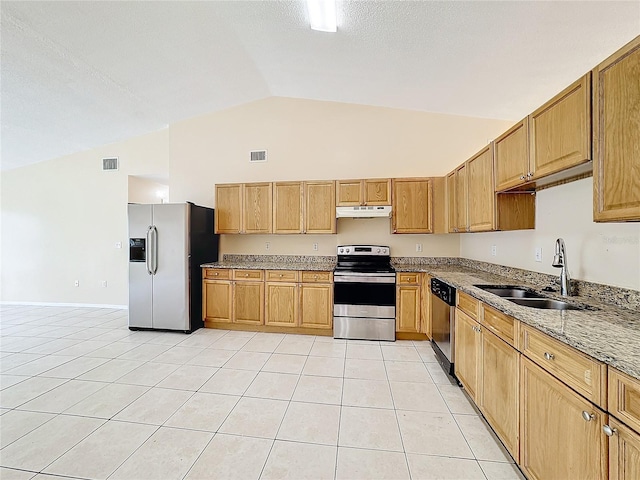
(280, 275)
(215, 274)
(246, 274)
(549, 356)
(608, 431)
(588, 416)
(522, 177)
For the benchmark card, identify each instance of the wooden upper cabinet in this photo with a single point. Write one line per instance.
(348, 193)
(616, 136)
(257, 208)
(228, 210)
(287, 207)
(560, 130)
(320, 207)
(452, 213)
(462, 224)
(481, 194)
(512, 156)
(412, 205)
(375, 191)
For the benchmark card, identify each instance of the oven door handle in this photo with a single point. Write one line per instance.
(359, 279)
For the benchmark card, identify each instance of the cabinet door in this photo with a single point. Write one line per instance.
(512, 156)
(248, 303)
(287, 207)
(228, 210)
(452, 212)
(348, 193)
(377, 191)
(461, 199)
(408, 308)
(425, 300)
(216, 301)
(556, 442)
(624, 452)
(411, 205)
(281, 304)
(320, 207)
(467, 353)
(616, 136)
(481, 193)
(499, 389)
(316, 306)
(257, 201)
(560, 130)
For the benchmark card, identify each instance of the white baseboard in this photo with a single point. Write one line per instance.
(79, 305)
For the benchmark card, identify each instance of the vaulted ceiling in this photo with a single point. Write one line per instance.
(75, 75)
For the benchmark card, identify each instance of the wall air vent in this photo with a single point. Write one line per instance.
(258, 156)
(109, 164)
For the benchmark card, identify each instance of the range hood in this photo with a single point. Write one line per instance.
(364, 212)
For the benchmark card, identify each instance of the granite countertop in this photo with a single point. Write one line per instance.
(605, 332)
(251, 265)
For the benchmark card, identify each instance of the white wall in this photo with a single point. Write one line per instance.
(143, 190)
(62, 218)
(313, 140)
(606, 253)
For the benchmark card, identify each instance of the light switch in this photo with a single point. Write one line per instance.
(538, 254)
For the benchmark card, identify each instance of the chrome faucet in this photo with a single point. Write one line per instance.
(560, 261)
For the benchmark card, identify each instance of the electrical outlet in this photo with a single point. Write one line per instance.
(494, 250)
(267, 245)
(418, 247)
(538, 254)
(118, 244)
(76, 283)
(315, 247)
(104, 283)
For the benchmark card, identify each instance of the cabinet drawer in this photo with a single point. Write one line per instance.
(468, 305)
(217, 273)
(248, 274)
(408, 278)
(502, 325)
(282, 276)
(317, 277)
(624, 398)
(584, 374)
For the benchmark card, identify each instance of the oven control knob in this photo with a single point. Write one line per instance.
(341, 250)
(378, 251)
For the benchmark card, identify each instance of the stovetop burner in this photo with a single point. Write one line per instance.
(364, 258)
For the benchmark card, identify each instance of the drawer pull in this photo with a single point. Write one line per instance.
(215, 274)
(608, 431)
(280, 275)
(246, 274)
(549, 356)
(315, 277)
(587, 416)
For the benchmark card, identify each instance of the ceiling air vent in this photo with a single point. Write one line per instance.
(110, 164)
(258, 156)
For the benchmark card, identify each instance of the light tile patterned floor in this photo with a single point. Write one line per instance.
(83, 397)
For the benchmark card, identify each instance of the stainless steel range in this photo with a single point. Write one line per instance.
(364, 293)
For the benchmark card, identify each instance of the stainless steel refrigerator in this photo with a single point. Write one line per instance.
(167, 244)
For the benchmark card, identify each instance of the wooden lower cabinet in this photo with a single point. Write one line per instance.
(316, 305)
(408, 308)
(217, 298)
(281, 304)
(624, 452)
(556, 442)
(425, 322)
(248, 303)
(498, 393)
(467, 353)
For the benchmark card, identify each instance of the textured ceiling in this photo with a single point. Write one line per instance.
(75, 75)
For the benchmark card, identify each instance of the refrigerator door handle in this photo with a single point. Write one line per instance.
(154, 253)
(149, 251)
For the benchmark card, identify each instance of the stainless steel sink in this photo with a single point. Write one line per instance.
(509, 291)
(528, 298)
(546, 303)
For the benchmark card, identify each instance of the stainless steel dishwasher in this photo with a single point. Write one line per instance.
(443, 308)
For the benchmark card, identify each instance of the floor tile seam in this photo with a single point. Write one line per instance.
(26, 377)
(467, 440)
(199, 455)
(74, 445)
(44, 371)
(53, 415)
(40, 394)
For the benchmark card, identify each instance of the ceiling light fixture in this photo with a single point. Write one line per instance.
(322, 15)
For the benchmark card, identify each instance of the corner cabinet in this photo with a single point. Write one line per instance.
(616, 136)
(418, 205)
